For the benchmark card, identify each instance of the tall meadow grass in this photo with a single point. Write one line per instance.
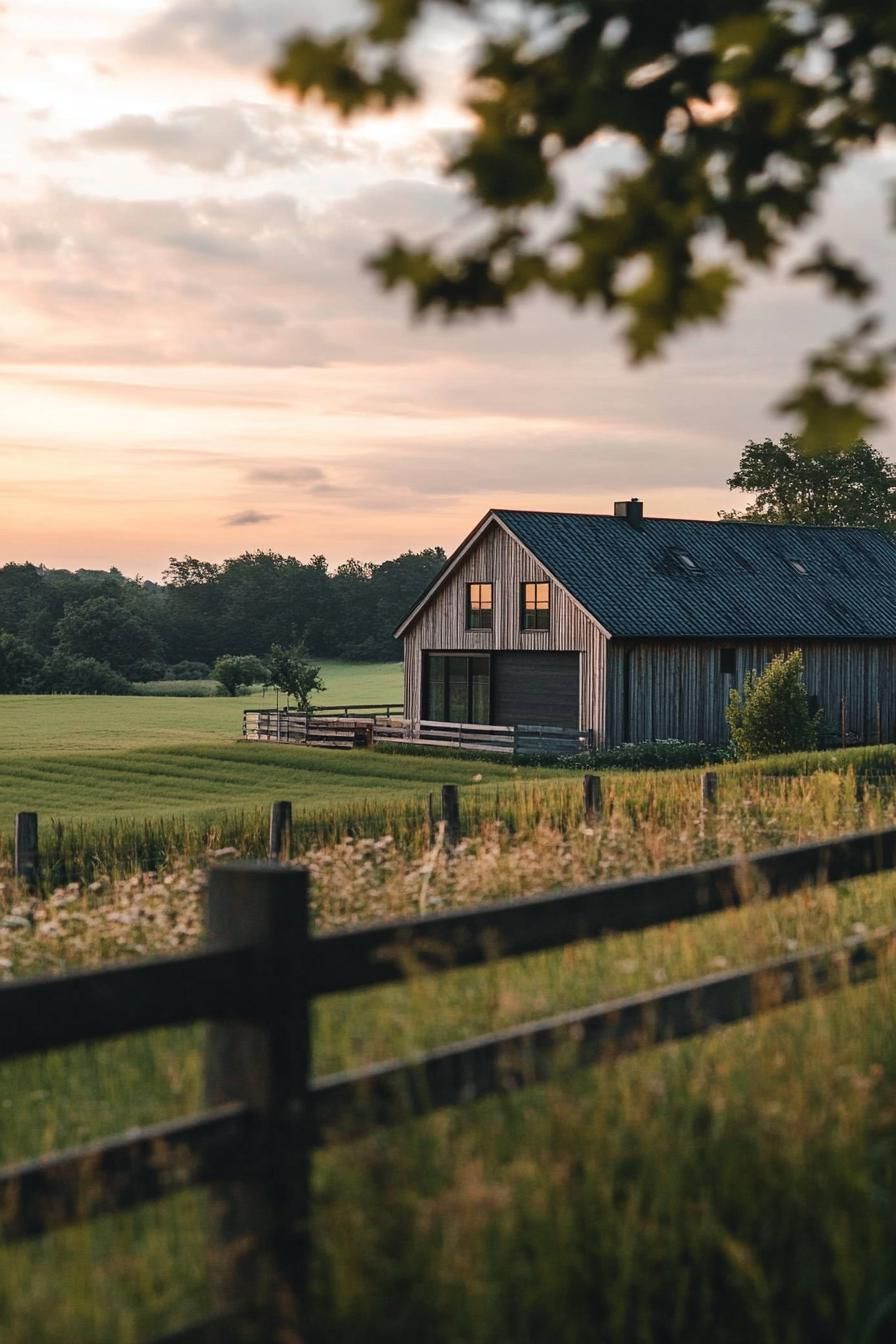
(734, 1188)
(760, 805)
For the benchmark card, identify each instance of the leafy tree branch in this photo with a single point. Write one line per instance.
(737, 112)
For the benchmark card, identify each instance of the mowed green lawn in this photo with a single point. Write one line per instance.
(41, 725)
(100, 757)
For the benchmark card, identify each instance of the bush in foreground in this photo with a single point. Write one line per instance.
(771, 716)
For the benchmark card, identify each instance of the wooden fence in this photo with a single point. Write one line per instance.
(349, 727)
(266, 1112)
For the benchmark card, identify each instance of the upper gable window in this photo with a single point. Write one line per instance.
(799, 566)
(479, 606)
(535, 606)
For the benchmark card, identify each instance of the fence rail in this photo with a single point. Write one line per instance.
(351, 1103)
(46, 1014)
(360, 725)
(266, 1114)
(139, 1167)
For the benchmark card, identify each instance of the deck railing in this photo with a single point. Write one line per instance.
(349, 727)
(266, 1112)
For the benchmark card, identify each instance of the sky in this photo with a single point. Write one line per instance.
(194, 361)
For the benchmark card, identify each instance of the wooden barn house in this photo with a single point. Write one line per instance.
(635, 628)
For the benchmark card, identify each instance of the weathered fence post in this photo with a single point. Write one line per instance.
(451, 814)
(592, 793)
(709, 796)
(709, 789)
(430, 819)
(262, 1058)
(25, 860)
(280, 834)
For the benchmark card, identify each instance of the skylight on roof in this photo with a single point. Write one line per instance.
(686, 561)
(799, 566)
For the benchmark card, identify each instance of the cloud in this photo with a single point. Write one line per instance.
(264, 281)
(298, 473)
(248, 518)
(239, 33)
(234, 138)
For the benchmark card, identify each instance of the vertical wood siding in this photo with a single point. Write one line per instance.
(500, 560)
(677, 689)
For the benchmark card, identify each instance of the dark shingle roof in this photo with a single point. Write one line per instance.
(744, 586)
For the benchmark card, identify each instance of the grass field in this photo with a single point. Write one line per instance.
(136, 781)
(345, 683)
(51, 725)
(739, 1188)
(103, 757)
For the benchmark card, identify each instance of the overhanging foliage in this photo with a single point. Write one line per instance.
(737, 113)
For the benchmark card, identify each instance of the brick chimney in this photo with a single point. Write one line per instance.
(632, 510)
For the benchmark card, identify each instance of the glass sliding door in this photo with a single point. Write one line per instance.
(480, 690)
(457, 688)
(434, 699)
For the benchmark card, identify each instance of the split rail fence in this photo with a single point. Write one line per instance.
(266, 1112)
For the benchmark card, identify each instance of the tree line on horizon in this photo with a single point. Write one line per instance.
(100, 631)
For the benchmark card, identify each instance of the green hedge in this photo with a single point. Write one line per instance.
(665, 755)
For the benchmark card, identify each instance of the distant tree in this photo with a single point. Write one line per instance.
(235, 672)
(771, 714)
(369, 601)
(20, 665)
(147, 669)
(854, 489)
(105, 629)
(395, 587)
(188, 670)
(728, 118)
(26, 605)
(81, 676)
(193, 609)
(267, 597)
(291, 671)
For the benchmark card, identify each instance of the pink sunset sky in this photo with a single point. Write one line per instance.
(192, 359)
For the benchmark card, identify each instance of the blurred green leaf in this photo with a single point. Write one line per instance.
(737, 114)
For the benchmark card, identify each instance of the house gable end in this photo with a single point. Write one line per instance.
(467, 549)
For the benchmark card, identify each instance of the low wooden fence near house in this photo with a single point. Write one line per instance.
(350, 728)
(310, 730)
(266, 1112)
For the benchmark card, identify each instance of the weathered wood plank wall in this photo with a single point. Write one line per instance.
(500, 560)
(670, 689)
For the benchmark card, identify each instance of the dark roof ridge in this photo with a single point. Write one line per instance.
(715, 522)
